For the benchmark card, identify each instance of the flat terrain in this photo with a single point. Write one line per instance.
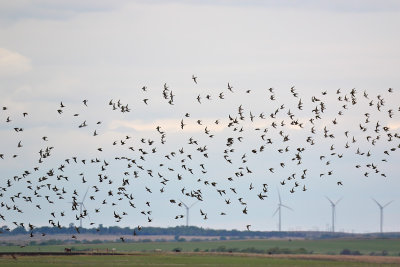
(21, 239)
(332, 246)
(199, 259)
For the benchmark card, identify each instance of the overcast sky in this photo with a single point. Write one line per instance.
(53, 51)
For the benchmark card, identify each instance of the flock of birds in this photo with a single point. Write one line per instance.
(229, 159)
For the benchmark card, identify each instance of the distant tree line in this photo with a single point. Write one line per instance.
(185, 231)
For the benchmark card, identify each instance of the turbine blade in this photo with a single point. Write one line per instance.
(329, 200)
(286, 207)
(377, 203)
(83, 199)
(193, 204)
(279, 195)
(338, 200)
(388, 203)
(275, 212)
(184, 204)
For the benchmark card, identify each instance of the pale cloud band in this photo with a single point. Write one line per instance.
(13, 63)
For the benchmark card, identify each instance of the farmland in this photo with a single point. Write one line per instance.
(256, 252)
(193, 259)
(389, 247)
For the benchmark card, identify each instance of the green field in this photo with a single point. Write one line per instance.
(332, 246)
(175, 260)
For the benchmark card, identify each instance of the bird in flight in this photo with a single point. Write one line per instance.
(224, 154)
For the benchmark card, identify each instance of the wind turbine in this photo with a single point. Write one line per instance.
(333, 205)
(187, 211)
(381, 207)
(280, 205)
(81, 204)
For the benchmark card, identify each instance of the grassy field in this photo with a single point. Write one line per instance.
(152, 259)
(332, 246)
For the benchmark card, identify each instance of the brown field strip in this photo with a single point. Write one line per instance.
(347, 258)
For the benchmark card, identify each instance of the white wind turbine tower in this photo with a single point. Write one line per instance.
(381, 207)
(187, 211)
(82, 205)
(280, 205)
(333, 205)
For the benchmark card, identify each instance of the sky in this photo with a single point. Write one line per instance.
(102, 51)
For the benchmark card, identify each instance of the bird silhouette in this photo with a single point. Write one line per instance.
(212, 158)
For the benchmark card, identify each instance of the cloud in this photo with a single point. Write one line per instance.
(52, 10)
(12, 63)
(13, 11)
(394, 125)
(356, 6)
